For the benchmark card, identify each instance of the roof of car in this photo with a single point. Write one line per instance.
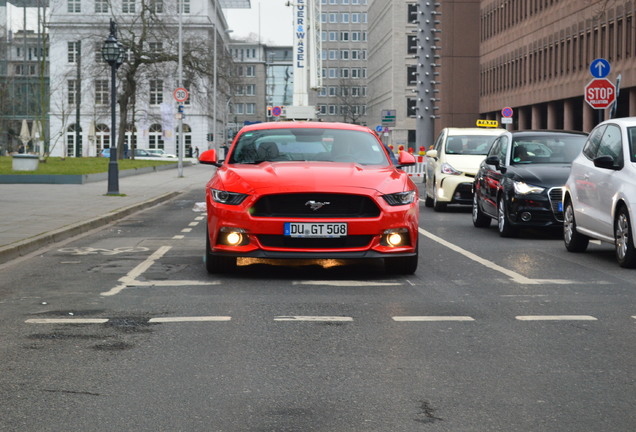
(546, 132)
(474, 131)
(304, 124)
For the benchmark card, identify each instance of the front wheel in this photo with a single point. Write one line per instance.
(624, 239)
(503, 223)
(574, 241)
(480, 219)
(217, 264)
(402, 265)
(437, 205)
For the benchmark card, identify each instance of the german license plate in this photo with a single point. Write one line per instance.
(316, 229)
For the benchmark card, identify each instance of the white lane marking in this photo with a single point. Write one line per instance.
(178, 237)
(313, 318)
(345, 283)
(66, 321)
(193, 224)
(516, 277)
(189, 319)
(199, 218)
(431, 318)
(556, 318)
(186, 230)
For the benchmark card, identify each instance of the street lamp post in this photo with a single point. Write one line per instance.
(113, 54)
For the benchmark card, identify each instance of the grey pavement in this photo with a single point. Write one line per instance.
(33, 216)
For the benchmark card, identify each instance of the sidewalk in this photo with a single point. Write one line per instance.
(35, 215)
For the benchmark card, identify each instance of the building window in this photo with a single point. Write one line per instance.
(344, 36)
(74, 6)
(101, 92)
(156, 92)
(250, 108)
(333, 54)
(128, 6)
(344, 18)
(73, 51)
(333, 36)
(411, 13)
(250, 71)
(239, 108)
(411, 104)
(72, 92)
(411, 45)
(333, 18)
(250, 89)
(155, 136)
(411, 75)
(101, 6)
(156, 6)
(186, 5)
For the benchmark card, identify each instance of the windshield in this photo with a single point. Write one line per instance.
(310, 144)
(547, 149)
(469, 144)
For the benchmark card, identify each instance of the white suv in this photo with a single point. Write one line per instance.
(599, 198)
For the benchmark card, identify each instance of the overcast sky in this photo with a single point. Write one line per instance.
(275, 22)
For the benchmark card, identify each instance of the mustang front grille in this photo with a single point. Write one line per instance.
(352, 241)
(315, 205)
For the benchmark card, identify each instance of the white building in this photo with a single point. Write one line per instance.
(78, 29)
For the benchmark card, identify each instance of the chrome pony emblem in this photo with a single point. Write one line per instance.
(315, 205)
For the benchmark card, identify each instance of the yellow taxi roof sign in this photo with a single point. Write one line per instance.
(487, 123)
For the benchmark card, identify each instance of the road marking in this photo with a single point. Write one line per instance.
(514, 276)
(186, 230)
(313, 318)
(431, 318)
(67, 321)
(556, 318)
(178, 237)
(189, 319)
(199, 218)
(348, 283)
(193, 224)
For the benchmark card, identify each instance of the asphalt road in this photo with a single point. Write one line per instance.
(122, 329)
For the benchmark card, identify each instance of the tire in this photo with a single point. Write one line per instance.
(503, 223)
(437, 206)
(624, 239)
(428, 202)
(480, 219)
(215, 264)
(402, 265)
(574, 241)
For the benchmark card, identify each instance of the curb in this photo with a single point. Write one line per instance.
(24, 247)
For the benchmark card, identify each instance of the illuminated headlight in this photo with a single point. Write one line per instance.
(395, 237)
(225, 197)
(400, 198)
(446, 168)
(231, 236)
(523, 188)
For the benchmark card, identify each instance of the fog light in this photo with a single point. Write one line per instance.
(231, 236)
(526, 216)
(395, 237)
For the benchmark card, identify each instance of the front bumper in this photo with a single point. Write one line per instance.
(455, 189)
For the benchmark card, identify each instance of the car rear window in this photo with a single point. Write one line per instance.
(308, 144)
(469, 144)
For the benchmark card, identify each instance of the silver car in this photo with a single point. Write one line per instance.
(599, 198)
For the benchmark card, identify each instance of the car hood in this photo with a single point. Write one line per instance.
(465, 163)
(540, 174)
(294, 177)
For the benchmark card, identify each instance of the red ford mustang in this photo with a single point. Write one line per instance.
(310, 190)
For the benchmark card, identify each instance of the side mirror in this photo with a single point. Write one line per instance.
(432, 154)
(493, 160)
(406, 158)
(209, 157)
(606, 162)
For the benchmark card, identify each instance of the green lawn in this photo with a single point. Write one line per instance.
(78, 166)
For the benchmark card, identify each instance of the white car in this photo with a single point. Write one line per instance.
(599, 198)
(452, 164)
(160, 153)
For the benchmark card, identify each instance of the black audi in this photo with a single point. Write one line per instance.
(520, 182)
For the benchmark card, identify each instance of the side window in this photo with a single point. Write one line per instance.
(440, 140)
(631, 133)
(494, 149)
(503, 149)
(611, 145)
(593, 141)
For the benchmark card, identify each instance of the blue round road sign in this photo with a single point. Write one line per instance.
(276, 111)
(600, 68)
(507, 112)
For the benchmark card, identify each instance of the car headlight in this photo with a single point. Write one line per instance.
(225, 197)
(523, 188)
(400, 198)
(446, 168)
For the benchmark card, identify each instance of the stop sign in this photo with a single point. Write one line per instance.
(600, 93)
